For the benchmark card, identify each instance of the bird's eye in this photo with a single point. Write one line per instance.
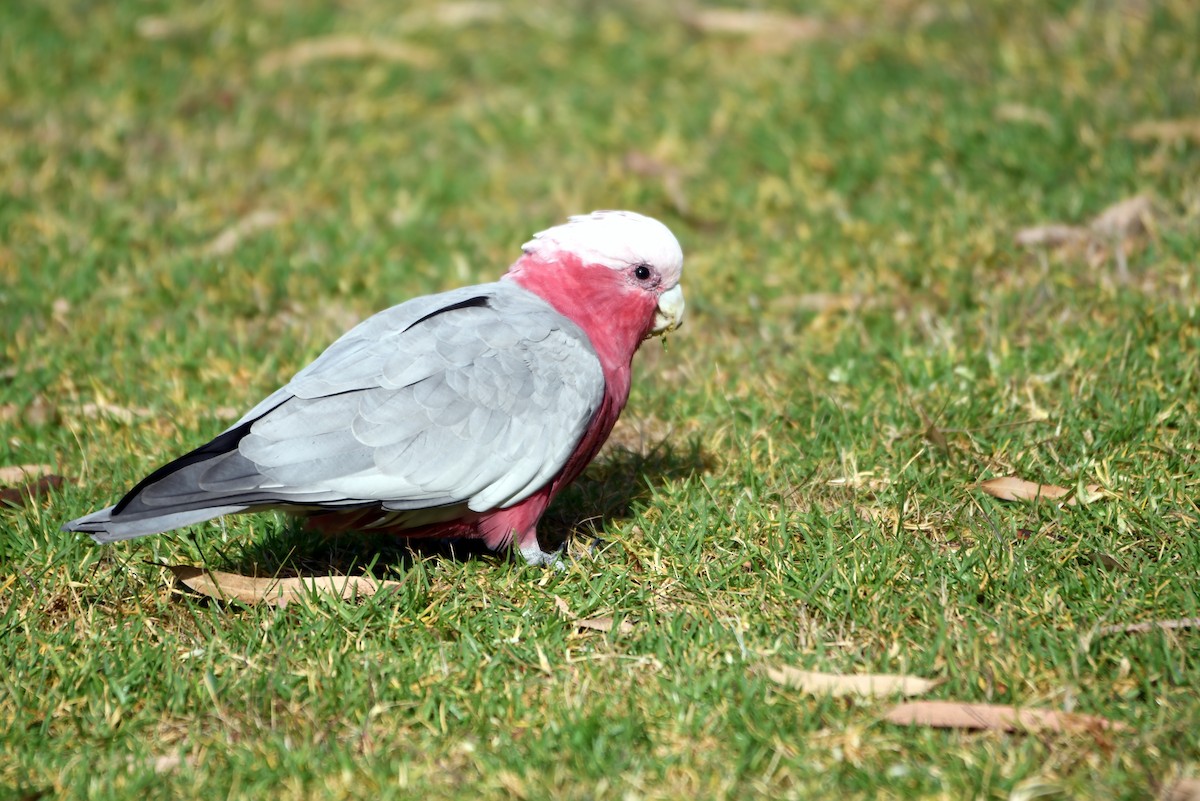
(642, 272)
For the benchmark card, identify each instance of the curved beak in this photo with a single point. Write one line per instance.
(669, 314)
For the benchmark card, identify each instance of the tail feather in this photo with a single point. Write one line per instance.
(176, 494)
(102, 527)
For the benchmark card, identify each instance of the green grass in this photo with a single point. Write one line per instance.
(778, 499)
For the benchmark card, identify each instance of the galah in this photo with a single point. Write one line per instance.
(460, 414)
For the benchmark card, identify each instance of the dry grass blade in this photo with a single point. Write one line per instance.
(865, 684)
(1150, 625)
(605, 623)
(1012, 488)
(274, 591)
(344, 48)
(994, 717)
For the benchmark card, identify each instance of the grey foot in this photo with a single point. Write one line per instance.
(534, 555)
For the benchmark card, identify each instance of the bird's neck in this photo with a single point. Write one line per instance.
(591, 296)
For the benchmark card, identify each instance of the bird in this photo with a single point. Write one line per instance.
(457, 415)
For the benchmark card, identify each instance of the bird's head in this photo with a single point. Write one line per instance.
(614, 267)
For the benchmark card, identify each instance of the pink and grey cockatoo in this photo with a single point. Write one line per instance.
(460, 414)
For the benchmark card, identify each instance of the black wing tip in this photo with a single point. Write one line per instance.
(223, 443)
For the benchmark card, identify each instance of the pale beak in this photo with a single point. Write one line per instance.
(669, 314)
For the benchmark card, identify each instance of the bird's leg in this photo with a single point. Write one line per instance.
(532, 551)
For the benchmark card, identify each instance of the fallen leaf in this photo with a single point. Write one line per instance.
(1015, 112)
(167, 763)
(26, 493)
(102, 408)
(39, 412)
(646, 166)
(1150, 625)
(1051, 236)
(1105, 560)
(604, 623)
(158, 28)
(274, 591)
(561, 603)
(1165, 131)
(456, 15)
(22, 472)
(994, 717)
(1125, 219)
(227, 241)
(756, 23)
(8, 411)
(865, 684)
(821, 302)
(227, 413)
(934, 435)
(344, 48)
(1183, 790)
(1011, 488)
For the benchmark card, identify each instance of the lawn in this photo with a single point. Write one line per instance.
(196, 198)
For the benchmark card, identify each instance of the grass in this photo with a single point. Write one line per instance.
(795, 482)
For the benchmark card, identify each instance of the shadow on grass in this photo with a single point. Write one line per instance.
(614, 485)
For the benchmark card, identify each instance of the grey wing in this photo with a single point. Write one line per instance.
(479, 400)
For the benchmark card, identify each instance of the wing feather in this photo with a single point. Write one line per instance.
(478, 400)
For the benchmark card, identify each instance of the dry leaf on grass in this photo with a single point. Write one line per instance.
(26, 493)
(344, 48)
(1165, 131)
(646, 166)
(227, 241)
(112, 411)
(1150, 625)
(604, 623)
(16, 473)
(821, 302)
(274, 591)
(1116, 229)
(751, 22)
(1015, 112)
(157, 28)
(1183, 790)
(994, 717)
(865, 684)
(1051, 236)
(1011, 488)
(456, 15)
(1123, 220)
(164, 763)
(563, 607)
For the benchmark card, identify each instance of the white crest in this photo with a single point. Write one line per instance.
(617, 239)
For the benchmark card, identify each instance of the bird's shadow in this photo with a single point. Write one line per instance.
(617, 483)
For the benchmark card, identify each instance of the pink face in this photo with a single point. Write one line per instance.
(640, 250)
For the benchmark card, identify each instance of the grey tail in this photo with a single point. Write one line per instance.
(211, 481)
(103, 527)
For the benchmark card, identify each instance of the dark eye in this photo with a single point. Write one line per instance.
(642, 272)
